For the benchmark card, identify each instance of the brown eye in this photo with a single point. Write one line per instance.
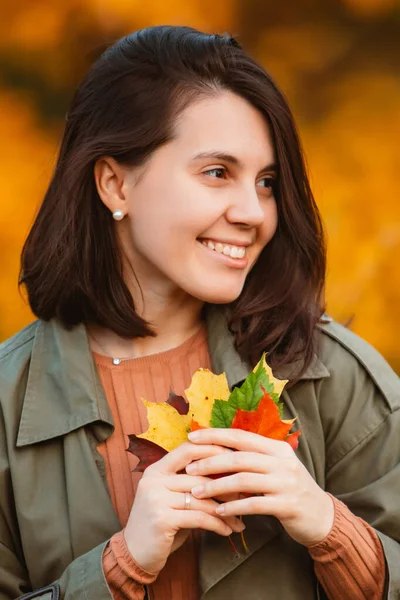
(269, 182)
(220, 170)
(269, 186)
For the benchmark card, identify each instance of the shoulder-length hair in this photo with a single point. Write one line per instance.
(126, 108)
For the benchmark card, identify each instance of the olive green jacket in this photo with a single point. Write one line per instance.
(56, 514)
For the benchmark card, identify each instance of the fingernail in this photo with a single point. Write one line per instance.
(192, 468)
(198, 490)
(220, 509)
(241, 526)
(193, 435)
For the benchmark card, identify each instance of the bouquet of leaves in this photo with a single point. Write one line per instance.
(255, 406)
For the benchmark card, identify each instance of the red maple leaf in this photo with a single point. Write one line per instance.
(147, 452)
(178, 403)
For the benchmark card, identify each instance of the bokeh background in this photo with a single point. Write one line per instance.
(338, 62)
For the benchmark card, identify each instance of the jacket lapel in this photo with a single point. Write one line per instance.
(217, 558)
(63, 390)
(224, 357)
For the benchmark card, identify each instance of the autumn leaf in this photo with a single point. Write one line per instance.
(266, 421)
(147, 452)
(194, 426)
(293, 439)
(276, 386)
(178, 402)
(167, 427)
(247, 397)
(204, 389)
(171, 421)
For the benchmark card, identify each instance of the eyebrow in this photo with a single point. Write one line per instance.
(229, 158)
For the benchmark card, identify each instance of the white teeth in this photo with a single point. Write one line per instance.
(232, 251)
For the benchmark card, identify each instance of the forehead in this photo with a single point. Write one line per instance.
(228, 122)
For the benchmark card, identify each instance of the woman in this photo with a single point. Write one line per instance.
(179, 231)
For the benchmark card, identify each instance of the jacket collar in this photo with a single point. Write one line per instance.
(64, 391)
(224, 357)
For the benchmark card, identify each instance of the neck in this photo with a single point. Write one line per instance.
(174, 321)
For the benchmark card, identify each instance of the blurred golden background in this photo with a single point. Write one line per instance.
(338, 62)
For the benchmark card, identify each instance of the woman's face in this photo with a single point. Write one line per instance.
(203, 208)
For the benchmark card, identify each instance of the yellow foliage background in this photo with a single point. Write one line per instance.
(338, 64)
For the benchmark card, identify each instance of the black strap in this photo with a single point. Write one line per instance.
(54, 590)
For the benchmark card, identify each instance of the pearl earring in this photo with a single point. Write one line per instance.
(118, 215)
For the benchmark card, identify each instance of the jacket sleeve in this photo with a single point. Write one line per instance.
(360, 404)
(83, 578)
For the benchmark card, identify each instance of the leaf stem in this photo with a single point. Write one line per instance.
(245, 546)
(233, 545)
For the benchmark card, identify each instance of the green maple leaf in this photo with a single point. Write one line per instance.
(223, 413)
(245, 397)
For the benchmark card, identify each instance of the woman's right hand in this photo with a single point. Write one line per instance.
(159, 523)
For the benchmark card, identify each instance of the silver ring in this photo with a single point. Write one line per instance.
(188, 500)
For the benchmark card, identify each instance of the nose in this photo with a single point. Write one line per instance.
(246, 208)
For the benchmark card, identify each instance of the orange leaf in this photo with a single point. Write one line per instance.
(293, 439)
(248, 420)
(266, 421)
(271, 425)
(194, 426)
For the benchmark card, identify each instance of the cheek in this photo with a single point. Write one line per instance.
(165, 227)
(270, 223)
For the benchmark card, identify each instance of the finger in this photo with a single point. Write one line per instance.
(241, 440)
(256, 505)
(177, 459)
(247, 483)
(177, 501)
(227, 497)
(196, 519)
(234, 462)
(183, 483)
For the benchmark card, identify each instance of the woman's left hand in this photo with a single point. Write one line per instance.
(270, 473)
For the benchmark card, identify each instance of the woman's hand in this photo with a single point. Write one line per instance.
(160, 521)
(268, 471)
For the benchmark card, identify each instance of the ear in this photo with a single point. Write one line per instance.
(110, 177)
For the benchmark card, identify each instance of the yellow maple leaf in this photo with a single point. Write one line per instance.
(278, 384)
(167, 427)
(204, 389)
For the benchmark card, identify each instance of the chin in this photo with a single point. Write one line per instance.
(213, 295)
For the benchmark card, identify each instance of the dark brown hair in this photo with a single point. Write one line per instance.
(126, 108)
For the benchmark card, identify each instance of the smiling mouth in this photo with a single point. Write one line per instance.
(237, 252)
